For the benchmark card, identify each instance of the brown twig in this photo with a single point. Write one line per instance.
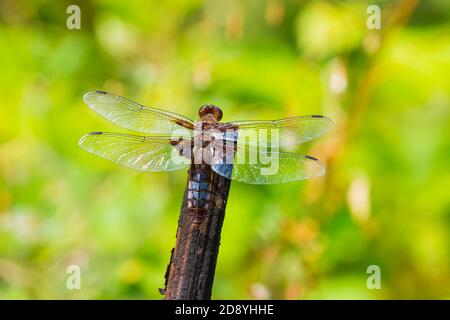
(190, 273)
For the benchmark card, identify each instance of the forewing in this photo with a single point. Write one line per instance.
(277, 133)
(151, 153)
(133, 116)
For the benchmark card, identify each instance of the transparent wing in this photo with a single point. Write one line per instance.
(133, 116)
(151, 153)
(276, 133)
(258, 166)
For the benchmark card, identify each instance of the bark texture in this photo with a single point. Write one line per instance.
(190, 273)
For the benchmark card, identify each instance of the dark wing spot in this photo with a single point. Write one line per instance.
(101, 92)
(317, 116)
(175, 141)
(96, 132)
(312, 158)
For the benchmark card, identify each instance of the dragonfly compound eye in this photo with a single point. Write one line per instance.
(209, 110)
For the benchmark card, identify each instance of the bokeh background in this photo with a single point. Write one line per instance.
(384, 200)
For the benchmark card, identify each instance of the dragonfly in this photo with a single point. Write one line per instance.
(245, 151)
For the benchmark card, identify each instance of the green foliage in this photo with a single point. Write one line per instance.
(384, 200)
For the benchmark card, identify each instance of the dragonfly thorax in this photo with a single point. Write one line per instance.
(210, 113)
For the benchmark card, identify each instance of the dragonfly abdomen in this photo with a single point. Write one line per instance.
(199, 195)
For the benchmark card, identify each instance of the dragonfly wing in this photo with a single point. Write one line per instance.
(277, 133)
(258, 166)
(133, 116)
(151, 153)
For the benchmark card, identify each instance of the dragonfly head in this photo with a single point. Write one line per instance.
(210, 113)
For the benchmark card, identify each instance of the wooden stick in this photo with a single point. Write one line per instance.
(190, 273)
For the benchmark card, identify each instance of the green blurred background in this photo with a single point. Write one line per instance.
(384, 200)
